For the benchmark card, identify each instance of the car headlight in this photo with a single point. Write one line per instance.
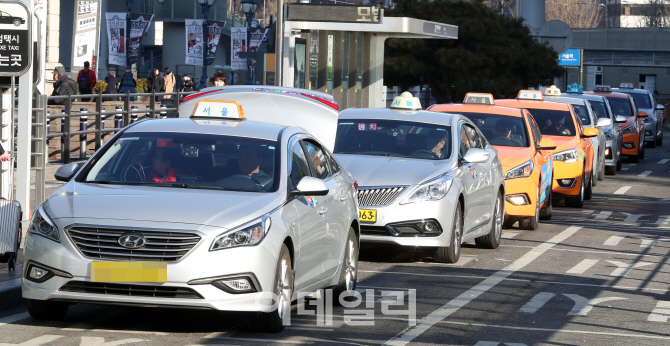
(629, 129)
(649, 119)
(568, 156)
(42, 225)
(250, 233)
(523, 170)
(431, 191)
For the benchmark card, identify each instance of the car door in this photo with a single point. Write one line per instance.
(542, 159)
(309, 226)
(329, 208)
(467, 175)
(483, 175)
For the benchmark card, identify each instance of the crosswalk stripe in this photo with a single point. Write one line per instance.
(14, 318)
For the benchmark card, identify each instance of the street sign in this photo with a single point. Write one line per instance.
(15, 39)
(362, 14)
(569, 58)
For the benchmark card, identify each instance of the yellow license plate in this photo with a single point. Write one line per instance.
(367, 215)
(129, 271)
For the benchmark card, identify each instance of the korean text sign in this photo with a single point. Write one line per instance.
(15, 40)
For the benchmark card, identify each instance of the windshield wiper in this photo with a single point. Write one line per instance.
(103, 182)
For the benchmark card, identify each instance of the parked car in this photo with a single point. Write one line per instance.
(645, 101)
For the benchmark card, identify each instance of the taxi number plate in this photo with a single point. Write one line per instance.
(367, 215)
(129, 271)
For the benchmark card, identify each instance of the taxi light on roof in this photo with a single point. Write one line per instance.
(406, 101)
(575, 88)
(478, 99)
(552, 91)
(603, 88)
(218, 109)
(628, 85)
(530, 95)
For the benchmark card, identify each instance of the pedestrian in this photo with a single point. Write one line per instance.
(232, 77)
(112, 86)
(187, 84)
(169, 82)
(155, 83)
(124, 78)
(86, 80)
(63, 85)
(219, 79)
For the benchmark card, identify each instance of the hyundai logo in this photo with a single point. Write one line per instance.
(132, 240)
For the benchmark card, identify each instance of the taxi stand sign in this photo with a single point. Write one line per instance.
(603, 88)
(627, 85)
(478, 99)
(552, 91)
(16, 40)
(530, 95)
(222, 110)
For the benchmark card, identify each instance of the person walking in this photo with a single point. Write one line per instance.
(156, 83)
(187, 84)
(86, 80)
(169, 82)
(112, 86)
(63, 85)
(232, 77)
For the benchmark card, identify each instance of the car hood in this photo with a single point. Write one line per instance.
(513, 156)
(370, 170)
(159, 204)
(564, 143)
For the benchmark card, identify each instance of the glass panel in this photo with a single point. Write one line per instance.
(621, 106)
(501, 130)
(553, 122)
(583, 114)
(319, 160)
(299, 166)
(599, 109)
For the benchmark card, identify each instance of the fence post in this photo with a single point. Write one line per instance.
(102, 126)
(68, 129)
(62, 137)
(149, 115)
(133, 114)
(163, 111)
(126, 108)
(118, 118)
(83, 126)
(98, 120)
(152, 104)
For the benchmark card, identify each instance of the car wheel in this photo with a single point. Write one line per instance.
(577, 201)
(548, 210)
(601, 171)
(349, 273)
(17, 22)
(588, 191)
(452, 253)
(532, 223)
(610, 170)
(42, 310)
(273, 322)
(492, 240)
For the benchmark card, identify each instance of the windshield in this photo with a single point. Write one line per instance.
(554, 122)
(188, 160)
(395, 138)
(599, 109)
(583, 114)
(621, 106)
(501, 130)
(641, 100)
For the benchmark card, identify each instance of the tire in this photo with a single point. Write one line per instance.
(601, 171)
(610, 170)
(349, 272)
(43, 310)
(492, 239)
(272, 322)
(548, 210)
(577, 201)
(17, 22)
(452, 253)
(532, 223)
(588, 191)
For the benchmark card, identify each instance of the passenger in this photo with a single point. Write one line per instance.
(557, 128)
(435, 142)
(250, 176)
(162, 170)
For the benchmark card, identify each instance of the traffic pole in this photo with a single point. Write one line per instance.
(163, 111)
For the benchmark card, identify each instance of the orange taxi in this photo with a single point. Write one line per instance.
(634, 127)
(573, 157)
(524, 154)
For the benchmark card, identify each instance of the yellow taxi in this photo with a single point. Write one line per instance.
(573, 157)
(524, 154)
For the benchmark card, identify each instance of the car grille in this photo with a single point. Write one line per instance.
(121, 289)
(378, 196)
(160, 246)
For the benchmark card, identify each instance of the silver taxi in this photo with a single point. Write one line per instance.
(211, 211)
(645, 101)
(426, 179)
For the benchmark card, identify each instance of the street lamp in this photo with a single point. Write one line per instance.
(249, 8)
(128, 76)
(206, 4)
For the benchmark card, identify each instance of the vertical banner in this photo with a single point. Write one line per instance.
(238, 39)
(116, 36)
(256, 38)
(139, 25)
(195, 43)
(215, 29)
(85, 35)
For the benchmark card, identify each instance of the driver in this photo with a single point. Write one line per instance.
(162, 170)
(503, 129)
(557, 128)
(435, 142)
(250, 176)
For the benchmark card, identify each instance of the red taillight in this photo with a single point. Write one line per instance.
(356, 185)
(197, 95)
(331, 104)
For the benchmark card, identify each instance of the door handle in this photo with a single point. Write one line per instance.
(323, 211)
(343, 198)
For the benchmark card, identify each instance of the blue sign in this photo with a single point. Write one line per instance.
(569, 58)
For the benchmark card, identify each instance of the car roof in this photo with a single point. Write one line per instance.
(533, 104)
(591, 97)
(566, 99)
(393, 114)
(631, 91)
(614, 94)
(238, 128)
(473, 108)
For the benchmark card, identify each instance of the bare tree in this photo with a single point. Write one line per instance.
(655, 14)
(576, 13)
(506, 7)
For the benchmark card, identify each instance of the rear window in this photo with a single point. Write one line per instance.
(554, 122)
(500, 129)
(621, 106)
(583, 114)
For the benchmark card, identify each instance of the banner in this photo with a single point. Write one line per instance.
(139, 25)
(87, 21)
(256, 38)
(215, 29)
(194, 41)
(238, 40)
(116, 34)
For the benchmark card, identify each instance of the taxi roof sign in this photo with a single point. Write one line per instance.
(229, 110)
(530, 95)
(575, 88)
(478, 99)
(627, 85)
(406, 101)
(552, 91)
(603, 88)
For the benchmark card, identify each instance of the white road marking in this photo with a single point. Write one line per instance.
(644, 174)
(584, 305)
(410, 333)
(625, 268)
(582, 266)
(648, 243)
(643, 336)
(509, 234)
(271, 341)
(633, 217)
(613, 240)
(99, 341)
(38, 341)
(80, 327)
(537, 302)
(663, 220)
(13, 318)
(603, 215)
(661, 312)
(663, 161)
(625, 168)
(622, 190)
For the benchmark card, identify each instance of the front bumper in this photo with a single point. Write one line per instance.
(521, 186)
(199, 264)
(650, 131)
(631, 140)
(572, 171)
(611, 153)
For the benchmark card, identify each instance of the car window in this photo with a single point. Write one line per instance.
(318, 159)
(554, 122)
(475, 141)
(621, 106)
(500, 130)
(299, 166)
(583, 114)
(334, 165)
(464, 142)
(599, 109)
(537, 136)
(642, 100)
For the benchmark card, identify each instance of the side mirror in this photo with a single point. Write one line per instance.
(620, 119)
(66, 172)
(310, 186)
(604, 122)
(590, 132)
(546, 144)
(642, 114)
(660, 107)
(475, 155)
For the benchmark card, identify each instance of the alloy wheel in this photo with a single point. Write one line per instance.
(350, 266)
(499, 217)
(283, 289)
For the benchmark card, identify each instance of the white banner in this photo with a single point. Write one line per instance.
(116, 36)
(85, 32)
(194, 42)
(238, 39)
